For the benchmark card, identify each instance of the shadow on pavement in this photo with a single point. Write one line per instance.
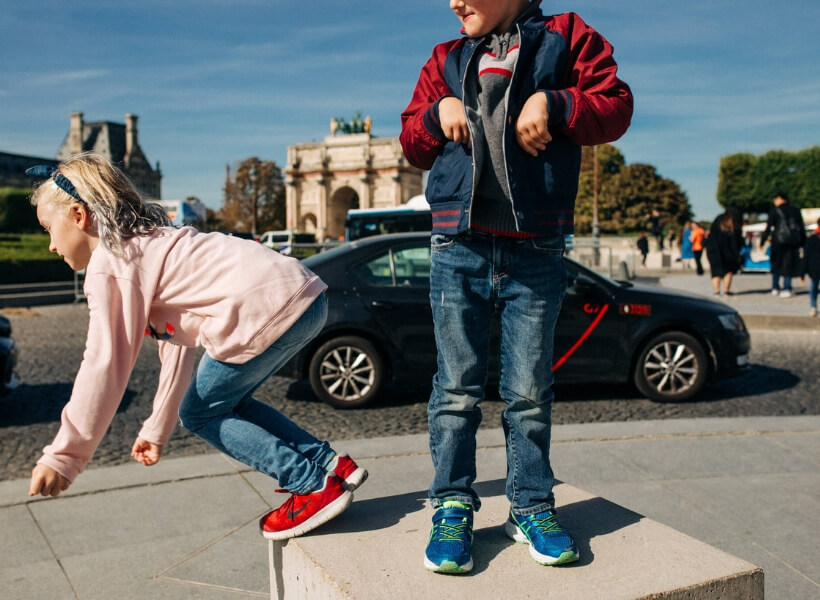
(43, 403)
(759, 380)
(586, 520)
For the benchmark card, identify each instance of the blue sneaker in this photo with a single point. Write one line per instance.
(550, 544)
(448, 550)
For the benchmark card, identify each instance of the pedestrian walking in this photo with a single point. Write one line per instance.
(788, 236)
(812, 268)
(698, 235)
(723, 251)
(686, 252)
(643, 247)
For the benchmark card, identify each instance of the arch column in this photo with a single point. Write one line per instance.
(373, 169)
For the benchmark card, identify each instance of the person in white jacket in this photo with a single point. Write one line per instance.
(251, 310)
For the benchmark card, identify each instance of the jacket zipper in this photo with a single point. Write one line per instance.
(504, 131)
(470, 129)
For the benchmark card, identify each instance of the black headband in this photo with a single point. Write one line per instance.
(44, 171)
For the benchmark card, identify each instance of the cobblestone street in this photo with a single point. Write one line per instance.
(782, 381)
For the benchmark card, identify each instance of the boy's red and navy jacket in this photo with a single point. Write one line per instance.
(588, 105)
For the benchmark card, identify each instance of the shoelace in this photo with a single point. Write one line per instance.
(287, 505)
(452, 533)
(548, 524)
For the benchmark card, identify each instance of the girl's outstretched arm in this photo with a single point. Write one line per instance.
(146, 452)
(47, 482)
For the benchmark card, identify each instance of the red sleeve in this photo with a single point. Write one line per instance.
(421, 136)
(601, 106)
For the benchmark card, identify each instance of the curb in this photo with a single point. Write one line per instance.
(781, 322)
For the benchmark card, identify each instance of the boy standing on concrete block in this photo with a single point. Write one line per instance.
(499, 116)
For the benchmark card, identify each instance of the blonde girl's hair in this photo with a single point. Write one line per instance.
(118, 210)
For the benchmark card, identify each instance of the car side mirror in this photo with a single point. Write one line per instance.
(583, 284)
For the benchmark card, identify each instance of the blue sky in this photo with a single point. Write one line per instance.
(216, 81)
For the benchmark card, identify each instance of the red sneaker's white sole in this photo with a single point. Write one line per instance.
(355, 479)
(334, 509)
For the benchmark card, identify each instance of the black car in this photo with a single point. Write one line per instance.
(8, 358)
(380, 328)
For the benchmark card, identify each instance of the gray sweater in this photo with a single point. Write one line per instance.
(485, 101)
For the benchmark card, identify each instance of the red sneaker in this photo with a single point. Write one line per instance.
(346, 469)
(303, 512)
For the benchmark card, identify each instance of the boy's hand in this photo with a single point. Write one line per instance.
(47, 482)
(146, 452)
(453, 121)
(531, 130)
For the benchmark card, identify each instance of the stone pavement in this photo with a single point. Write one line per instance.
(187, 528)
(750, 296)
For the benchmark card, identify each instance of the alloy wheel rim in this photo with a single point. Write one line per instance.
(347, 373)
(671, 368)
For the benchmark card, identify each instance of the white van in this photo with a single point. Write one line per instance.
(290, 243)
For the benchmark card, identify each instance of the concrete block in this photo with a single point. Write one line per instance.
(375, 550)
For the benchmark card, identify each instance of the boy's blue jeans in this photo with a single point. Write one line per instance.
(471, 276)
(219, 408)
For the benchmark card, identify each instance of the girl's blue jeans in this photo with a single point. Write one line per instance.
(473, 275)
(814, 284)
(219, 407)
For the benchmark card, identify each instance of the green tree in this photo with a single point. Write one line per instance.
(775, 172)
(750, 182)
(626, 194)
(16, 213)
(643, 189)
(610, 164)
(736, 182)
(259, 180)
(807, 178)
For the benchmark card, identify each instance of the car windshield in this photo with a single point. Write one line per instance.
(574, 269)
(324, 256)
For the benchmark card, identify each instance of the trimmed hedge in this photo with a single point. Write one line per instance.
(34, 271)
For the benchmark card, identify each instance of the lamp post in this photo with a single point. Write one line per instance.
(596, 226)
(253, 177)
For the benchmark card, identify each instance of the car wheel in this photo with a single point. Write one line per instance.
(671, 367)
(347, 372)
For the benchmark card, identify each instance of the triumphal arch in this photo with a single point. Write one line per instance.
(349, 169)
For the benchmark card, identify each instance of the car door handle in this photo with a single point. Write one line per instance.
(382, 304)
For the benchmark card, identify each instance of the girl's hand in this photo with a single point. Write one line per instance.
(531, 128)
(47, 482)
(146, 452)
(453, 120)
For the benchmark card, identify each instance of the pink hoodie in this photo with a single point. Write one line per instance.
(231, 296)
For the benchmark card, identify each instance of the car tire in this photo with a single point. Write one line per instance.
(347, 372)
(671, 367)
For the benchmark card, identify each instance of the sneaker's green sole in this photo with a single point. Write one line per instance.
(566, 557)
(447, 566)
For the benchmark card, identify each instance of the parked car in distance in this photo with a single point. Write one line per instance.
(8, 358)
(290, 243)
(380, 328)
(245, 235)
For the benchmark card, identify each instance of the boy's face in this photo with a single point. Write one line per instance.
(480, 17)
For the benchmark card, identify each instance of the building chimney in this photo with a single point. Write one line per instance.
(75, 134)
(130, 134)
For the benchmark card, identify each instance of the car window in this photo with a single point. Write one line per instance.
(398, 267)
(412, 266)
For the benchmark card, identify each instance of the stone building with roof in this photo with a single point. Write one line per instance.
(117, 142)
